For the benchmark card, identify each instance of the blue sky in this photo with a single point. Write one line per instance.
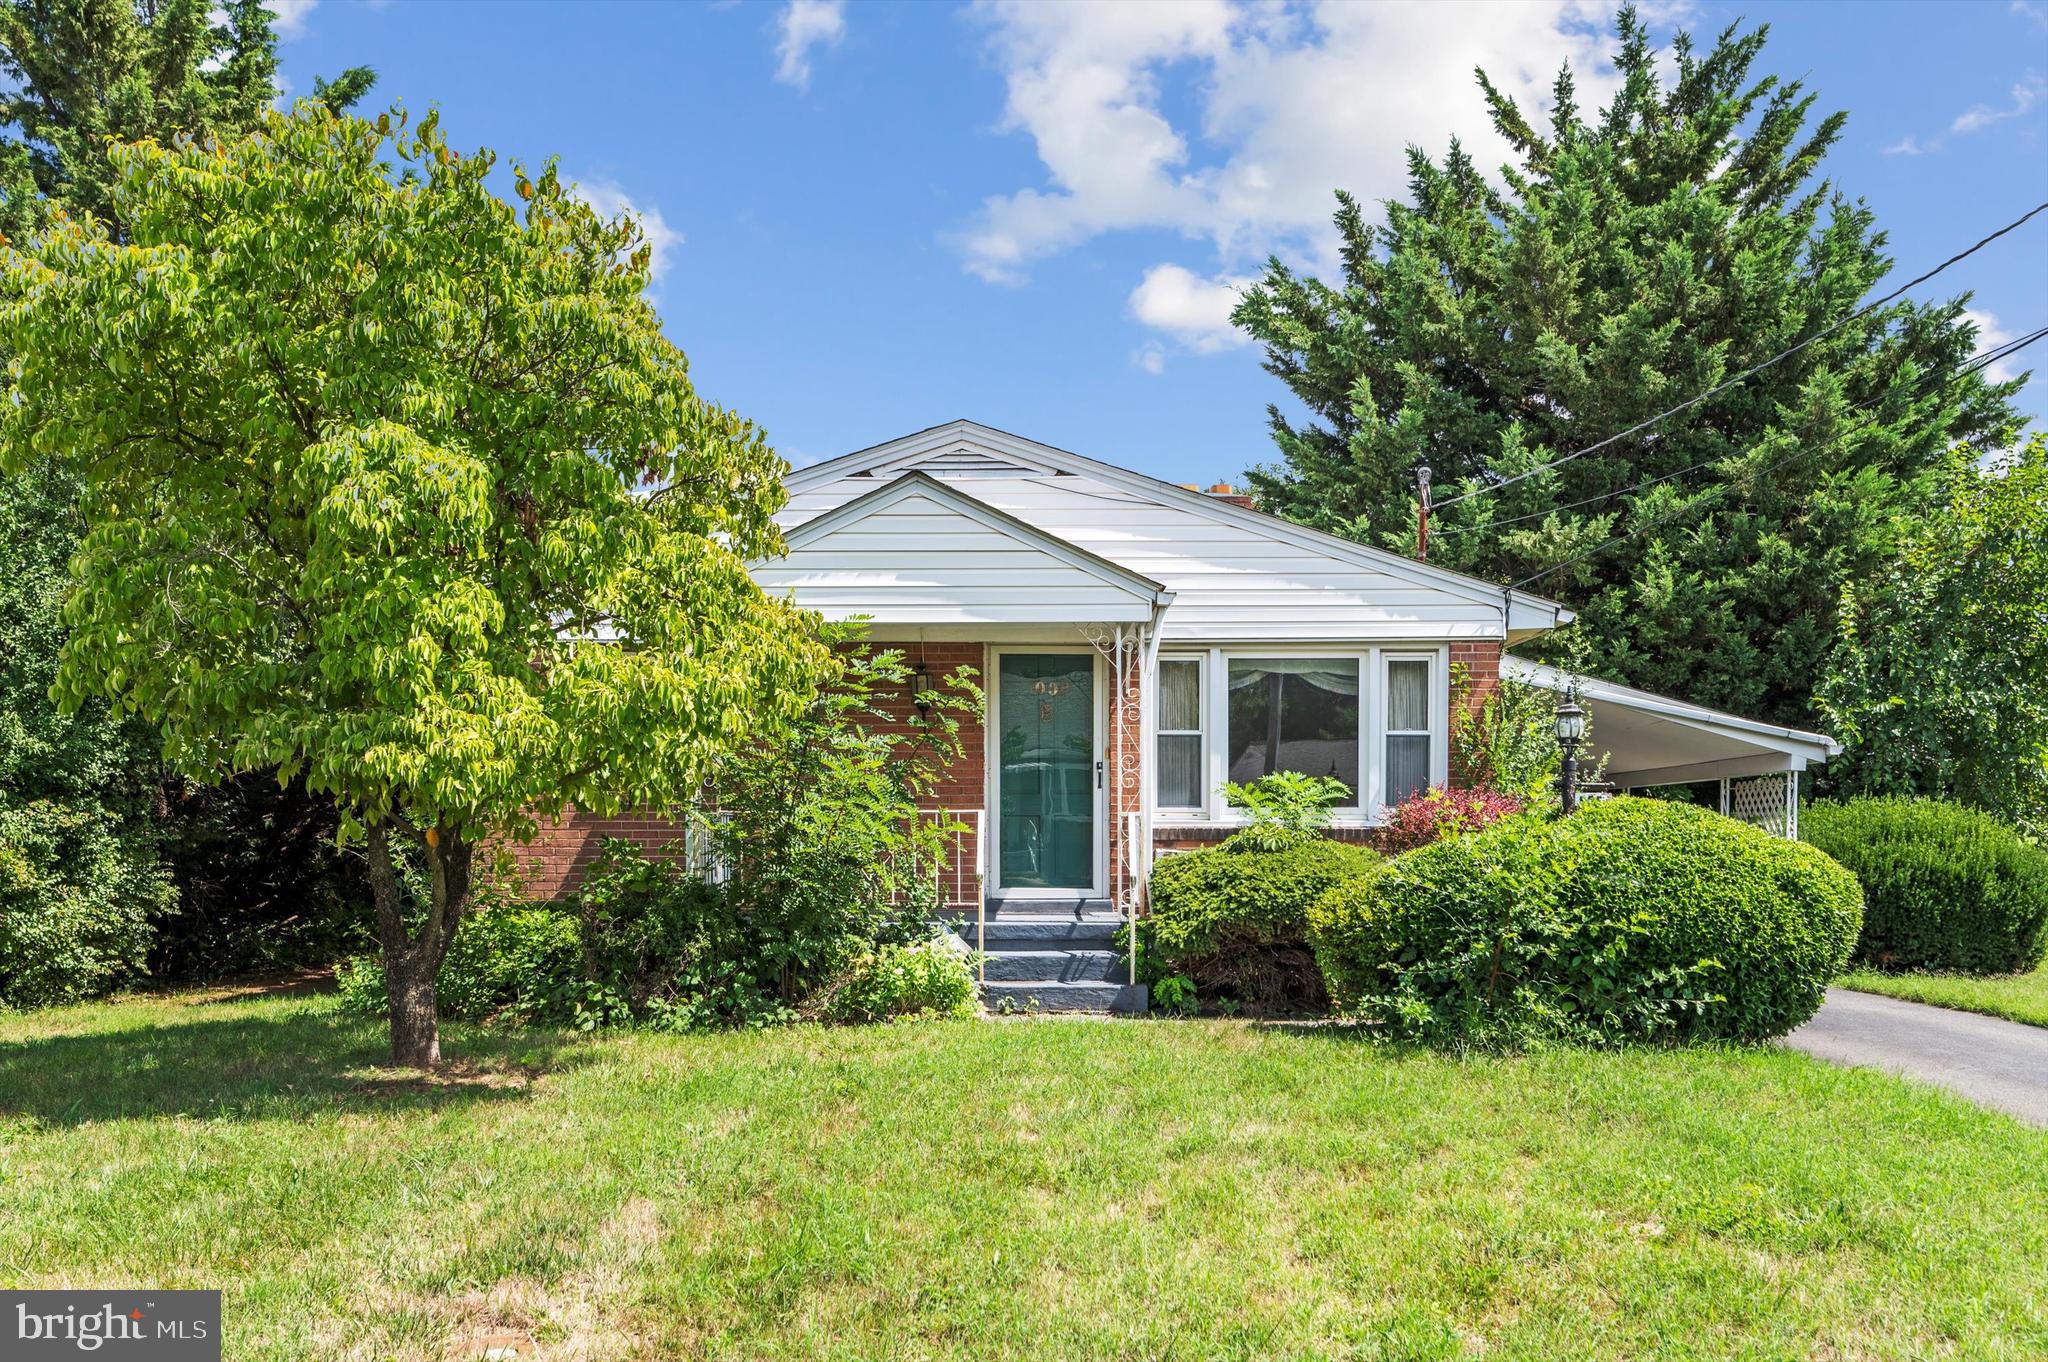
(873, 217)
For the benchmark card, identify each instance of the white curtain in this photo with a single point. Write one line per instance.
(1339, 676)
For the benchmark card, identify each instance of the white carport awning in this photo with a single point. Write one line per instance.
(1655, 740)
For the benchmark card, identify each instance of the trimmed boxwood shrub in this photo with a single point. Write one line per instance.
(1944, 887)
(1629, 920)
(1234, 920)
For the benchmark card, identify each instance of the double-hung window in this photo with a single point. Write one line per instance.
(1371, 719)
(1183, 756)
(1411, 754)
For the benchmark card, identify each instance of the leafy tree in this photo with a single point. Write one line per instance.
(1624, 262)
(360, 444)
(79, 74)
(1939, 678)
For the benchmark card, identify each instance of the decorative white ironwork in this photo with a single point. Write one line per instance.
(1768, 802)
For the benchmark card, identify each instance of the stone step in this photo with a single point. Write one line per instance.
(1079, 997)
(1064, 967)
(1043, 934)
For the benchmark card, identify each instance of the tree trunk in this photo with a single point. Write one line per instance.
(415, 1016)
(412, 957)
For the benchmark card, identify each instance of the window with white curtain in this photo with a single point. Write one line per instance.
(1182, 761)
(1295, 714)
(1409, 741)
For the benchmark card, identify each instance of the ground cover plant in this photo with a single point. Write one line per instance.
(1631, 919)
(1032, 1190)
(1945, 887)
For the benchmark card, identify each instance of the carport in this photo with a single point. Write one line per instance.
(1650, 739)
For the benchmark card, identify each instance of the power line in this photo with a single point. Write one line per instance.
(1754, 369)
(1972, 365)
(1989, 357)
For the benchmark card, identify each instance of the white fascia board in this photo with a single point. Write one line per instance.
(1810, 746)
(1143, 588)
(1541, 612)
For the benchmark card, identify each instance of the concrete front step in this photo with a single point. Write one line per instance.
(1063, 997)
(1063, 967)
(1042, 933)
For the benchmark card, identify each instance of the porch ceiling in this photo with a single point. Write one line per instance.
(1651, 739)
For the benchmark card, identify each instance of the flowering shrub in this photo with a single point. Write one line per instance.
(1440, 812)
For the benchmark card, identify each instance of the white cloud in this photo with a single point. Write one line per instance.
(1151, 357)
(1191, 309)
(1231, 121)
(2031, 12)
(610, 201)
(290, 16)
(1906, 146)
(2025, 95)
(1992, 333)
(804, 24)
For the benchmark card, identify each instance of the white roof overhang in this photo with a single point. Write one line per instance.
(1527, 616)
(915, 584)
(1651, 739)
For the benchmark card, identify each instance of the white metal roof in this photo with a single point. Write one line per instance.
(1651, 739)
(1239, 574)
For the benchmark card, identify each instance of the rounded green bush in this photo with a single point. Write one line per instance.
(1632, 918)
(1234, 920)
(1944, 887)
(1779, 917)
(1202, 900)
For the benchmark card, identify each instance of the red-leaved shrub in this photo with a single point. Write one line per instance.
(1440, 812)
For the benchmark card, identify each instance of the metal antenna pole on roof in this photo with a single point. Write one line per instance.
(1422, 518)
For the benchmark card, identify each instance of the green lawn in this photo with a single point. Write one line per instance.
(2021, 997)
(1085, 1190)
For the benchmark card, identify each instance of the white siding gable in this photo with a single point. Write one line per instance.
(1235, 575)
(914, 550)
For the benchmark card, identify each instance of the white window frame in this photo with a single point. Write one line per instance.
(1438, 732)
(1200, 662)
(1370, 779)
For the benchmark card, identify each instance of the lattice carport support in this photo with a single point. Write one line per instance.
(1769, 802)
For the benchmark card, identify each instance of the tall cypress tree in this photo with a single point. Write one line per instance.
(1623, 262)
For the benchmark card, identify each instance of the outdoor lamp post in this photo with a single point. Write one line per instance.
(921, 687)
(1571, 726)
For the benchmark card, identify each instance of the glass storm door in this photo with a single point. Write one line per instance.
(1045, 792)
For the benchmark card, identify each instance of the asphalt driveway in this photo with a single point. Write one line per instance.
(2001, 1064)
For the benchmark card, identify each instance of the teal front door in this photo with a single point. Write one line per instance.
(1046, 779)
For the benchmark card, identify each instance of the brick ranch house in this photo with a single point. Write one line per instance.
(1140, 644)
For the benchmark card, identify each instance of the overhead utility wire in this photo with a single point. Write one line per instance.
(1754, 369)
(1972, 365)
(1969, 368)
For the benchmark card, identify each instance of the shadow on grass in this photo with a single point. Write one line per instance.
(284, 1065)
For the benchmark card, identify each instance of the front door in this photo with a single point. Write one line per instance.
(1047, 773)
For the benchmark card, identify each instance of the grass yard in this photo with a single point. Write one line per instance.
(2018, 997)
(1082, 1190)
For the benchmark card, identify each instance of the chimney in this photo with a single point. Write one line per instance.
(1223, 491)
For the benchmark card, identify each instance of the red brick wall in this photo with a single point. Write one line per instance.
(1126, 791)
(554, 862)
(1481, 665)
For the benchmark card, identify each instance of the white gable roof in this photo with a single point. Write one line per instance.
(1235, 574)
(914, 550)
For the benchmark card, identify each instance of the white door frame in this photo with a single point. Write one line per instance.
(992, 747)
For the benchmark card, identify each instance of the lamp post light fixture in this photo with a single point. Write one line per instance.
(921, 687)
(1571, 727)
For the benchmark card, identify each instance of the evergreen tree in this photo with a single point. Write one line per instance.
(86, 811)
(1623, 263)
